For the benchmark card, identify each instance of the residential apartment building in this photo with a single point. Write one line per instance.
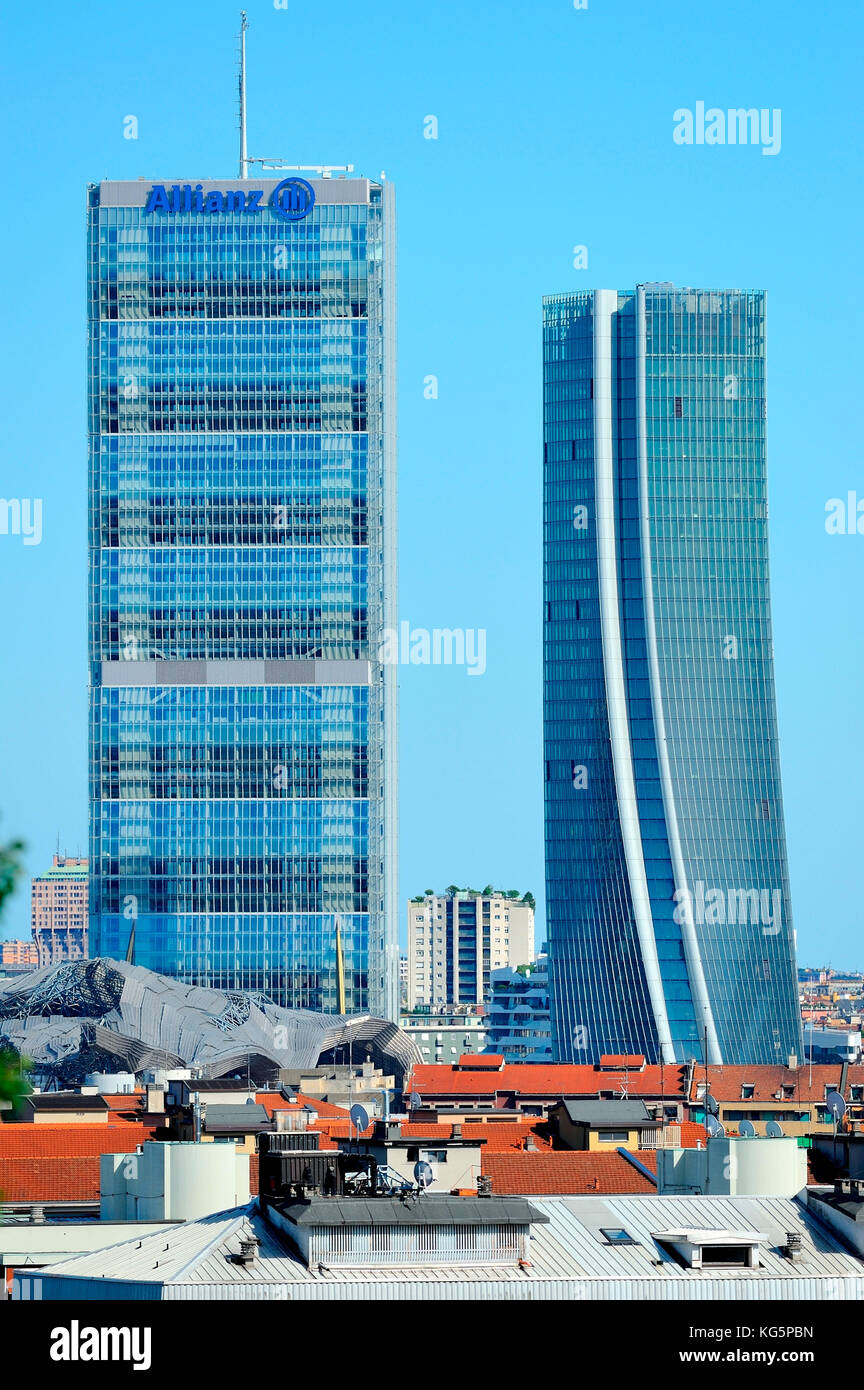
(457, 939)
(519, 1026)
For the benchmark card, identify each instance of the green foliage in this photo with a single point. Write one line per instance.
(11, 868)
(13, 1076)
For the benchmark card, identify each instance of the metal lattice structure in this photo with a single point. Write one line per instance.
(108, 1015)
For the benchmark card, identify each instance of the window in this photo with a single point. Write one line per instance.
(613, 1136)
(433, 1155)
(725, 1256)
(856, 1093)
(616, 1235)
(748, 1091)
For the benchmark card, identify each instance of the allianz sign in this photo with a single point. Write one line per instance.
(291, 199)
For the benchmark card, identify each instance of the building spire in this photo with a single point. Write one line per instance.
(244, 158)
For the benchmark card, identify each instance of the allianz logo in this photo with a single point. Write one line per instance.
(291, 199)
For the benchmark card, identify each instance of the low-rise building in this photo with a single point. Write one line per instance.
(445, 1035)
(488, 1084)
(588, 1247)
(18, 955)
(794, 1097)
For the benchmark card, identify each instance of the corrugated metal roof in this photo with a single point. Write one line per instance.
(566, 1253)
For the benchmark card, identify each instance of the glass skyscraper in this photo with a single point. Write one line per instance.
(242, 572)
(669, 920)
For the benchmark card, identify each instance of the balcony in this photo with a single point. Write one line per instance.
(669, 1137)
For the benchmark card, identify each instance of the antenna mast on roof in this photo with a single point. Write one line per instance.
(244, 158)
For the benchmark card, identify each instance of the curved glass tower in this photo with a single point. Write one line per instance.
(242, 569)
(669, 919)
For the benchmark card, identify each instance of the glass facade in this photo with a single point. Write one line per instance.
(669, 917)
(242, 570)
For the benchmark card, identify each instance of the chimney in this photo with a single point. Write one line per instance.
(792, 1249)
(456, 1131)
(248, 1252)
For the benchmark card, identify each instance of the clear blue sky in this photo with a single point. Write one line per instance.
(555, 129)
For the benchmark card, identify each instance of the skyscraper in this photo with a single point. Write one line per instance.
(242, 568)
(667, 884)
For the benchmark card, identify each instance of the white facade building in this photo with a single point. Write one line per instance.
(456, 940)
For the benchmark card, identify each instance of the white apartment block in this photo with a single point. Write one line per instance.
(456, 940)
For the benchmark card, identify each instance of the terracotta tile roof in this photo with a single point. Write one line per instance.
(725, 1083)
(566, 1173)
(509, 1137)
(57, 1141)
(540, 1079)
(692, 1134)
(481, 1061)
(324, 1108)
(131, 1102)
(57, 1179)
(59, 1163)
(622, 1059)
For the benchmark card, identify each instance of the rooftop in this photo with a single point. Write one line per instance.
(570, 1256)
(546, 1079)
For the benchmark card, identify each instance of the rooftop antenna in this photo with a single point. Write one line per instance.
(244, 158)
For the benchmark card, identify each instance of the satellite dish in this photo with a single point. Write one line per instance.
(359, 1118)
(747, 1129)
(714, 1127)
(773, 1130)
(415, 1100)
(836, 1105)
(710, 1104)
(423, 1175)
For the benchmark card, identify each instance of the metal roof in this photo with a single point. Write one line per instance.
(68, 1100)
(63, 1015)
(569, 1258)
(436, 1209)
(607, 1112)
(235, 1117)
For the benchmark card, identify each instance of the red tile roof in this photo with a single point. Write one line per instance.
(323, 1107)
(66, 1179)
(692, 1135)
(60, 1163)
(566, 1173)
(550, 1081)
(481, 1061)
(622, 1059)
(725, 1083)
(57, 1141)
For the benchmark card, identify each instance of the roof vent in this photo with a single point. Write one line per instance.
(792, 1249)
(248, 1252)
